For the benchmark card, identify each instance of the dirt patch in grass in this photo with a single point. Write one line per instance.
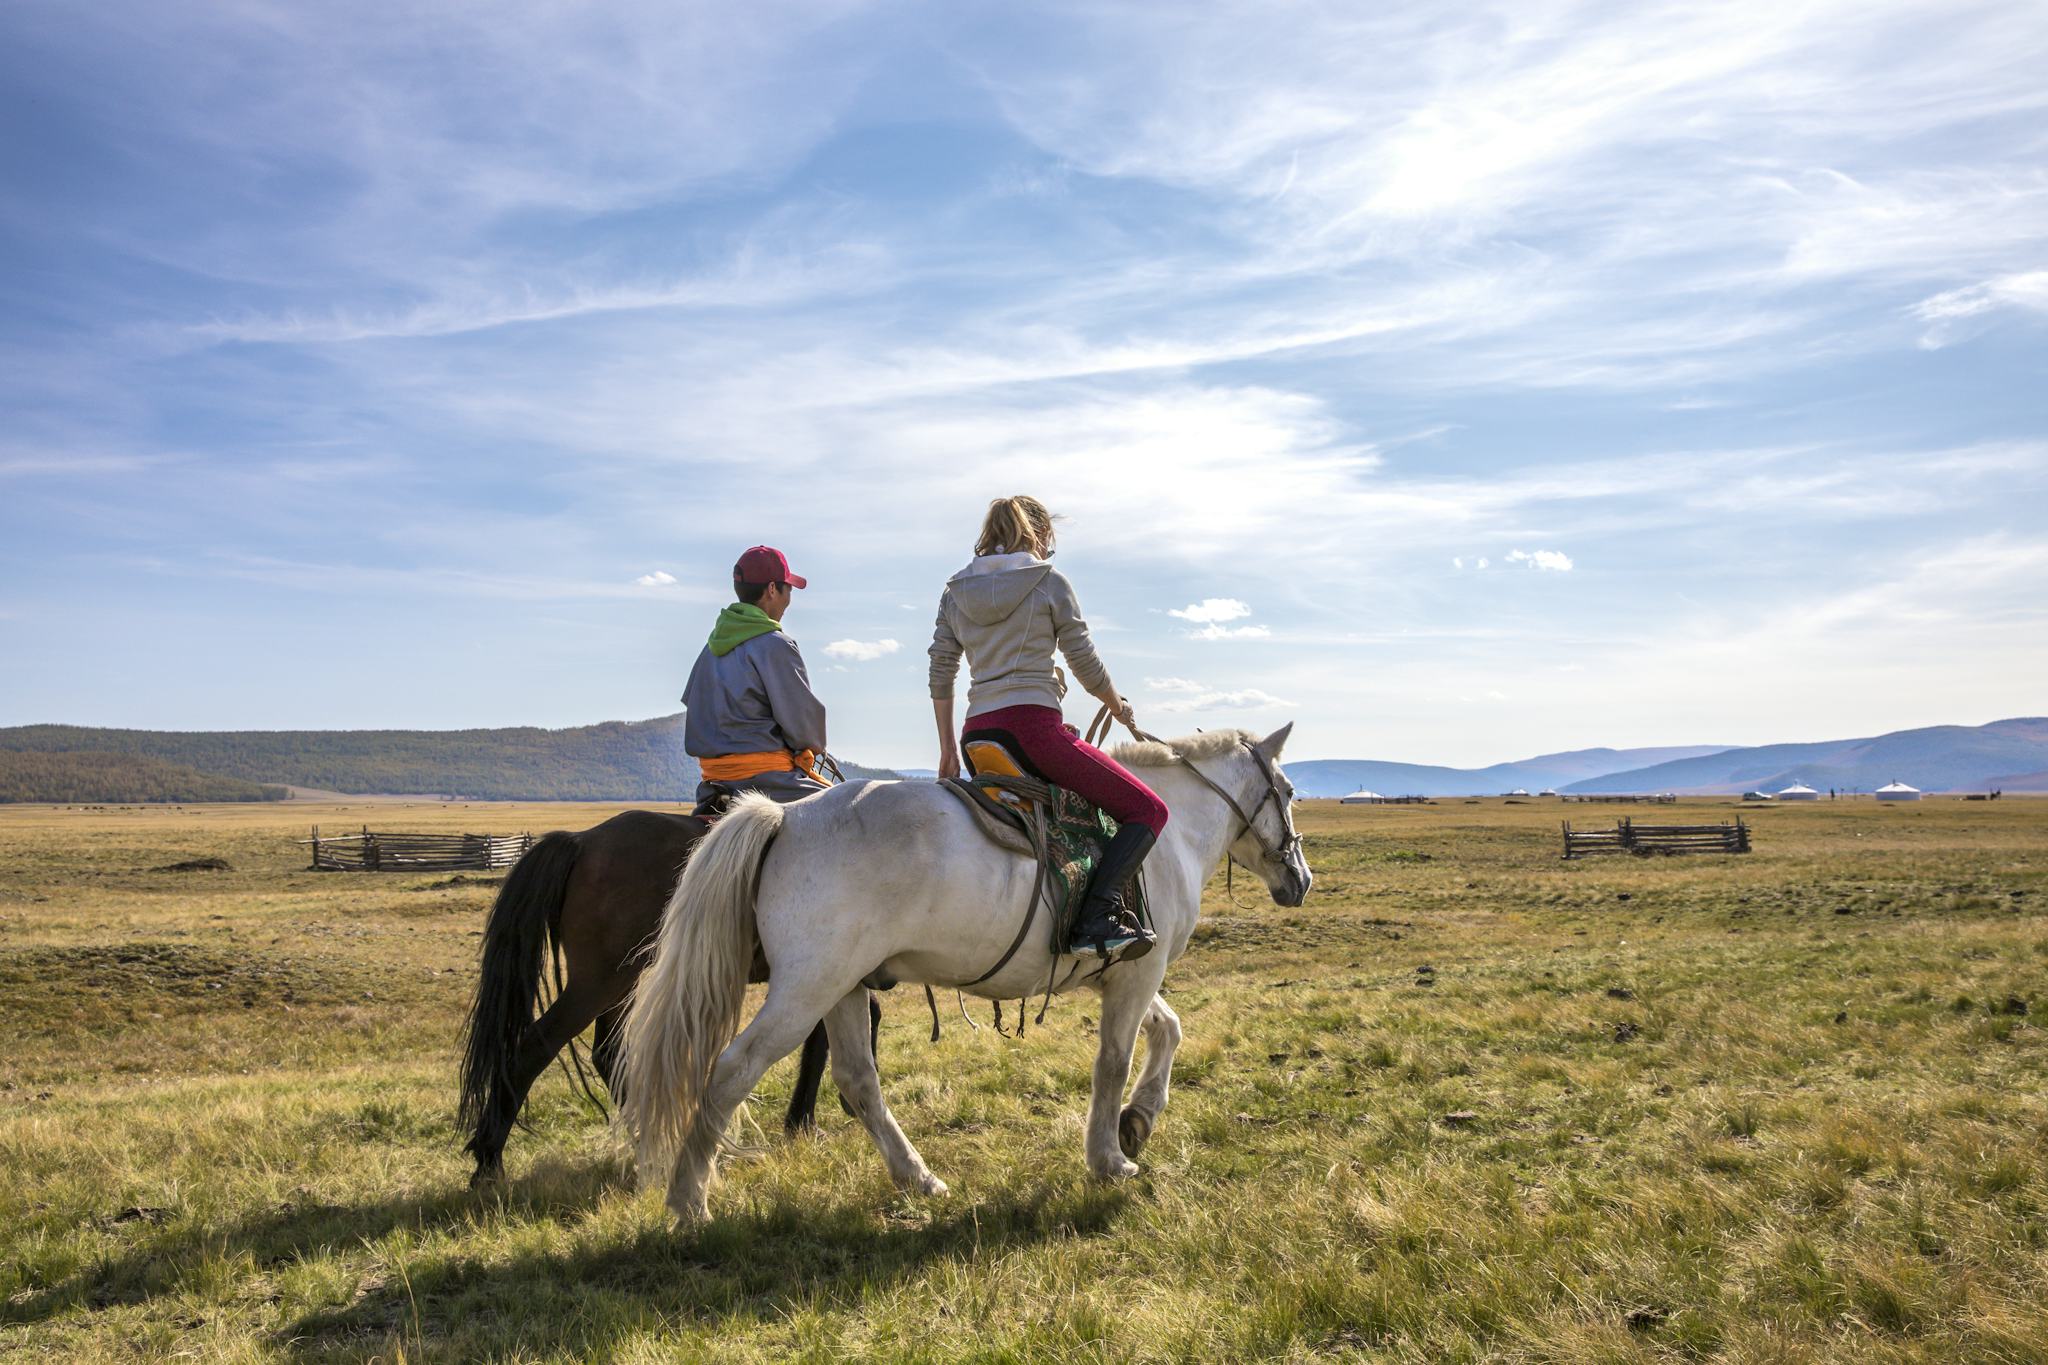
(197, 865)
(139, 979)
(458, 880)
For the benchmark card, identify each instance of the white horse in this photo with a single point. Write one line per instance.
(898, 879)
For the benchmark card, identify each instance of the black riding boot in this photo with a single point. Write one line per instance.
(1104, 926)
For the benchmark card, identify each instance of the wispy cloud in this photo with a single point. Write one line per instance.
(2027, 290)
(861, 651)
(660, 578)
(1182, 696)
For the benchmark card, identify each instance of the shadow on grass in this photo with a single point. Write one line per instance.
(764, 1263)
(162, 1260)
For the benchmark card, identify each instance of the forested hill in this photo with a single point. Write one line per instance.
(617, 761)
(63, 778)
(639, 760)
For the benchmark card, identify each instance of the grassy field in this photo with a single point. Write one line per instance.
(1469, 1103)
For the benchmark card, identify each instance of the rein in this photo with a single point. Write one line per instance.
(1098, 731)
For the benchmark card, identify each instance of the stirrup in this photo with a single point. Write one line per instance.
(1125, 942)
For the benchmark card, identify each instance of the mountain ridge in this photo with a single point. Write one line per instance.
(2007, 754)
(643, 761)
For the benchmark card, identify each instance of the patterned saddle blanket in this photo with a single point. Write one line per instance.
(1062, 830)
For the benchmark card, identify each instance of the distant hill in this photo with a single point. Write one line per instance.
(1342, 776)
(2008, 754)
(63, 777)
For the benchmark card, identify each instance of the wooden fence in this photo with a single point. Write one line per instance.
(1643, 840)
(1665, 799)
(378, 852)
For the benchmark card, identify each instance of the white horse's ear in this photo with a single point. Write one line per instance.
(1272, 744)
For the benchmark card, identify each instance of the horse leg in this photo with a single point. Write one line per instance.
(853, 1071)
(803, 1100)
(573, 1011)
(1148, 1097)
(1125, 999)
(792, 1010)
(604, 1047)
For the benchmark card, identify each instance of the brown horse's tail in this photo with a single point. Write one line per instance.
(516, 939)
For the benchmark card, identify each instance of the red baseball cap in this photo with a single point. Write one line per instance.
(765, 564)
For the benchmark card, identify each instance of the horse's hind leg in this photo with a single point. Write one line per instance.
(803, 1100)
(791, 1012)
(604, 1048)
(1148, 1098)
(571, 1013)
(853, 1071)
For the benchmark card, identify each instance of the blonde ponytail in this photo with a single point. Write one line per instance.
(1013, 524)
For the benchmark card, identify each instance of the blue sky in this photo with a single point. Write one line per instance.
(1459, 382)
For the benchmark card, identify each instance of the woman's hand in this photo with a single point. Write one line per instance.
(949, 763)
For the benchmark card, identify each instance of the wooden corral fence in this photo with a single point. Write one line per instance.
(1643, 840)
(371, 851)
(1666, 799)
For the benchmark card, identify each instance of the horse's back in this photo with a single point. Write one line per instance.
(625, 869)
(893, 872)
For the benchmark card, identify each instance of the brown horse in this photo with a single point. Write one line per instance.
(589, 901)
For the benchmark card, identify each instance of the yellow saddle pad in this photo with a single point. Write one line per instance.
(993, 758)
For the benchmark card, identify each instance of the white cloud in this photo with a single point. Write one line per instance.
(1241, 699)
(1174, 685)
(2028, 290)
(861, 651)
(1552, 561)
(1211, 612)
(1212, 609)
(660, 578)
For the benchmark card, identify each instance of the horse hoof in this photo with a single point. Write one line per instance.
(1133, 1130)
(1120, 1169)
(933, 1186)
(487, 1177)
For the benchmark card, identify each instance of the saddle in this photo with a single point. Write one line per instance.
(1060, 830)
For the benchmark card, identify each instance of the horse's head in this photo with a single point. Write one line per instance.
(1267, 846)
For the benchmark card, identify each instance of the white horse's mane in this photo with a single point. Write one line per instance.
(1147, 754)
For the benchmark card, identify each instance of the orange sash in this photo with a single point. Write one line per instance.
(739, 767)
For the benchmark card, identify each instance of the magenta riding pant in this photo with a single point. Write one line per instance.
(1051, 746)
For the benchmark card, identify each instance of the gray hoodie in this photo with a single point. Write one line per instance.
(1006, 613)
(752, 700)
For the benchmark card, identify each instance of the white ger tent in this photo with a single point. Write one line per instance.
(1361, 797)
(1898, 791)
(1799, 791)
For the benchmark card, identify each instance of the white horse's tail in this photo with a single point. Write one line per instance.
(686, 1005)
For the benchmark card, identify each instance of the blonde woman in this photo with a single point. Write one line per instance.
(1006, 612)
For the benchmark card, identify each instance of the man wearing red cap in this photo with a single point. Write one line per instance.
(754, 724)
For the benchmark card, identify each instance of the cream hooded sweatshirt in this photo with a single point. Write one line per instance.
(1006, 613)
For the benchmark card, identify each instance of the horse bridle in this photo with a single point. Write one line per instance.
(1285, 849)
